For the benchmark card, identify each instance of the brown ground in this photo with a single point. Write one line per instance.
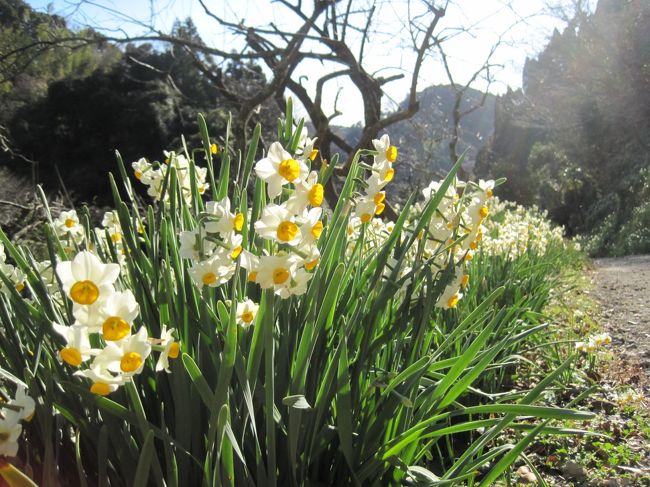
(622, 286)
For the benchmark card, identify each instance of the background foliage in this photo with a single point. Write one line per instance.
(575, 140)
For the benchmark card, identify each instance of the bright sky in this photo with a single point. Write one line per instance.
(524, 26)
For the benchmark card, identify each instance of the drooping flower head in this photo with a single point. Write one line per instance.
(171, 349)
(77, 349)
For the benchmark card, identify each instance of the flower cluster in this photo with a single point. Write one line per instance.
(594, 343)
(290, 224)
(629, 397)
(155, 174)
(102, 310)
(215, 245)
(279, 252)
(515, 230)
(372, 201)
(451, 237)
(381, 173)
(455, 232)
(13, 274)
(70, 231)
(12, 412)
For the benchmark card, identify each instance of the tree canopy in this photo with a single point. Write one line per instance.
(575, 139)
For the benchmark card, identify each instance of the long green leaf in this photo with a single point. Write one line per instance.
(144, 461)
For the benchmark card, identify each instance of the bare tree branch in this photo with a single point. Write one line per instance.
(325, 28)
(375, 124)
(364, 38)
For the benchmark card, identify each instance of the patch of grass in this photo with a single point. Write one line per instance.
(622, 453)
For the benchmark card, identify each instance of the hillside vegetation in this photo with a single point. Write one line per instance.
(68, 106)
(575, 139)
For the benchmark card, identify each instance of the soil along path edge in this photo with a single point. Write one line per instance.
(622, 287)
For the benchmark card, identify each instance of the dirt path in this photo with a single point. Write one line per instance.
(622, 286)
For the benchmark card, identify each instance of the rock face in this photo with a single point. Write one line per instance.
(516, 129)
(574, 471)
(525, 476)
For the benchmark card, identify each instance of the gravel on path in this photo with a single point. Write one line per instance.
(622, 286)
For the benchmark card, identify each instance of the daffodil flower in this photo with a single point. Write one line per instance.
(191, 246)
(77, 349)
(279, 168)
(451, 294)
(125, 357)
(103, 381)
(275, 271)
(90, 315)
(117, 315)
(310, 226)
(142, 170)
(385, 151)
(67, 225)
(15, 275)
(213, 272)
(487, 187)
(306, 150)
(246, 313)
(365, 209)
(22, 405)
(307, 192)
(221, 219)
(171, 349)
(296, 285)
(310, 256)
(278, 223)
(231, 247)
(85, 279)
